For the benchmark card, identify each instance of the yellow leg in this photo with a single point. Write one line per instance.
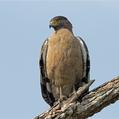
(61, 96)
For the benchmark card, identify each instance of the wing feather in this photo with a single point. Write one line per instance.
(44, 81)
(86, 60)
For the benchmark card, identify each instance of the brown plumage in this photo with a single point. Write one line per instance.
(64, 62)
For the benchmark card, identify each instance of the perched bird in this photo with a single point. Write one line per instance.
(64, 62)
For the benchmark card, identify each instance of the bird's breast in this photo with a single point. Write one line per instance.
(64, 59)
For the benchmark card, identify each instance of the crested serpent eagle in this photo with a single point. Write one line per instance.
(64, 62)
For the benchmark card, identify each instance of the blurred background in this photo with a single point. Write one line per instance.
(23, 29)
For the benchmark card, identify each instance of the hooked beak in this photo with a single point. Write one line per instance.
(50, 26)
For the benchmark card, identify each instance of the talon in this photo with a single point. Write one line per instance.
(63, 98)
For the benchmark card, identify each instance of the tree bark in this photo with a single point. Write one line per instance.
(91, 103)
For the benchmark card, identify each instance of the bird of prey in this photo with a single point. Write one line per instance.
(64, 62)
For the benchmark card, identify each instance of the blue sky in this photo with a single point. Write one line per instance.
(24, 27)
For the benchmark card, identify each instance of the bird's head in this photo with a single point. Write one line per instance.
(59, 22)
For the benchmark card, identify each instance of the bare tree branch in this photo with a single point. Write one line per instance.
(93, 102)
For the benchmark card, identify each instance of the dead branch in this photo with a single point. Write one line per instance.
(93, 102)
